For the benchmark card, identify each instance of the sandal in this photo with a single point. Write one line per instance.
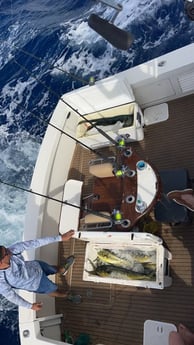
(68, 263)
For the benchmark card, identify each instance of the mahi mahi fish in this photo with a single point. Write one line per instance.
(149, 265)
(142, 257)
(111, 271)
(149, 268)
(108, 257)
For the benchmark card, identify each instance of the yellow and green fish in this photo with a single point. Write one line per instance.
(149, 268)
(142, 257)
(109, 257)
(111, 271)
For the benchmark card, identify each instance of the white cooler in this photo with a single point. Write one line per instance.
(136, 250)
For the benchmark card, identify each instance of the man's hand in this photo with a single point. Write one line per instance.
(37, 306)
(67, 235)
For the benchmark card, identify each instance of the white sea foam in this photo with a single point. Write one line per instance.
(77, 34)
(85, 62)
(16, 166)
(17, 37)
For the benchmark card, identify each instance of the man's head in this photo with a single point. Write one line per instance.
(5, 255)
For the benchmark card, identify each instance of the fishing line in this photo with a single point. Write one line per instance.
(73, 76)
(47, 122)
(55, 93)
(87, 210)
(60, 130)
(66, 103)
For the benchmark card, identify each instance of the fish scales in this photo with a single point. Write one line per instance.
(109, 257)
(131, 256)
(111, 271)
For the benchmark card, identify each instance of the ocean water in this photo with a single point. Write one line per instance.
(47, 45)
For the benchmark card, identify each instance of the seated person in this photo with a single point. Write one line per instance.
(183, 337)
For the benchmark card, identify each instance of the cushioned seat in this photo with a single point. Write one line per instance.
(95, 221)
(126, 119)
(101, 170)
(69, 214)
(95, 218)
(102, 167)
(166, 210)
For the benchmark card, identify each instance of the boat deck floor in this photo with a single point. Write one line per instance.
(115, 314)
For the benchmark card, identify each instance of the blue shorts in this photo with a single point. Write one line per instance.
(46, 285)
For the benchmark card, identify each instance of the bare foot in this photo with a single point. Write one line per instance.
(186, 334)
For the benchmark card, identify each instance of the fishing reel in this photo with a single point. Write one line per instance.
(117, 216)
(122, 141)
(118, 219)
(123, 171)
(189, 9)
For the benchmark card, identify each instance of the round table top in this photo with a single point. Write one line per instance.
(130, 193)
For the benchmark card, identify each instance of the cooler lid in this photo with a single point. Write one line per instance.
(118, 237)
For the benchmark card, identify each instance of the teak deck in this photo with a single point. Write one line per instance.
(115, 314)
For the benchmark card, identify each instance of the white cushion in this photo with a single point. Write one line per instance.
(70, 215)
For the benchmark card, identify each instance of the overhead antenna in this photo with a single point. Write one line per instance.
(119, 38)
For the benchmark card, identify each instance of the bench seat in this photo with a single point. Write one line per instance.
(70, 215)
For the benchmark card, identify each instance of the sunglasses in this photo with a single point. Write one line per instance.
(6, 253)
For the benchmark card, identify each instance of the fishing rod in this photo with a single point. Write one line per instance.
(60, 130)
(66, 103)
(87, 210)
(121, 142)
(53, 66)
(73, 76)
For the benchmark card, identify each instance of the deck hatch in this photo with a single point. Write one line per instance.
(186, 82)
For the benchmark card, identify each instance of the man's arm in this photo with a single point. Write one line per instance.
(8, 292)
(39, 242)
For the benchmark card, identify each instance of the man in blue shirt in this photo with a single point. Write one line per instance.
(17, 273)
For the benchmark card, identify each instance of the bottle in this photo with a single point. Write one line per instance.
(140, 204)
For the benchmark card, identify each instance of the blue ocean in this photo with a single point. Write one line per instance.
(47, 46)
